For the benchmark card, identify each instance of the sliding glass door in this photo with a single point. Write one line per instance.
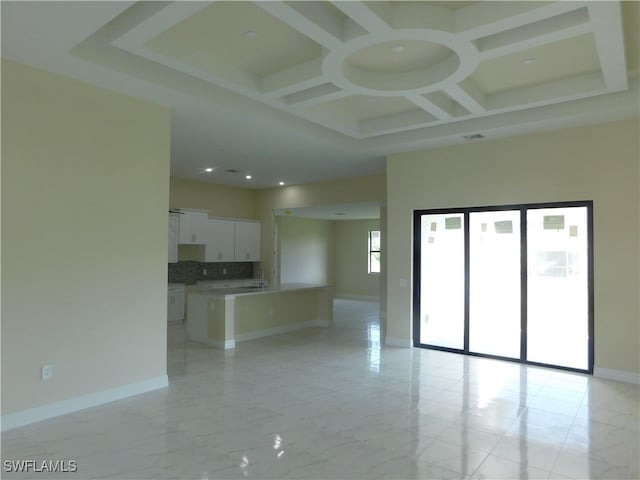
(494, 287)
(510, 282)
(558, 287)
(442, 262)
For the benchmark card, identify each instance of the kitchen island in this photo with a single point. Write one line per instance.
(220, 317)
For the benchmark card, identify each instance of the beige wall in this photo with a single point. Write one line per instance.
(352, 190)
(351, 259)
(281, 309)
(598, 163)
(306, 250)
(219, 200)
(85, 192)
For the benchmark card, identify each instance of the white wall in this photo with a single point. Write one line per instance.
(599, 163)
(306, 250)
(85, 194)
(351, 259)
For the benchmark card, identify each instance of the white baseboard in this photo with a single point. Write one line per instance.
(267, 332)
(364, 298)
(619, 375)
(398, 342)
(222, 344)
(51, 410)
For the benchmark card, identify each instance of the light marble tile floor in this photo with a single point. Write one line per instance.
(332, 403)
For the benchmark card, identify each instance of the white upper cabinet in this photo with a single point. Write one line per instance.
(174, 233)
(192, 226)
(219, 243)
(247, 241)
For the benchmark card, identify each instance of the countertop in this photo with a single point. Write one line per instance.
(245, 291)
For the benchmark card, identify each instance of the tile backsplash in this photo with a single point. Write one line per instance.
(190, 272)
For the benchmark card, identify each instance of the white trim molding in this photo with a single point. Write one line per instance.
(398, 342)
(222, 344)
(364, 298)
(619, 375)
(70, 405)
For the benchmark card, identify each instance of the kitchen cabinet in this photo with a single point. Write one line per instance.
(247, 241)
(175, 303)
(219, 241)
(192, 226)
(174, 232)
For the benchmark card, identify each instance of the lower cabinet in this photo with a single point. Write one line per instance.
(175, 303)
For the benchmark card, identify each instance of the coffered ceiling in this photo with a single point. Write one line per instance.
(311, 90)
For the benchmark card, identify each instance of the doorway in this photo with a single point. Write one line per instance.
(511, 282)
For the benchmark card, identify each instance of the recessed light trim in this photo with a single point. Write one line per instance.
(248, 177)
(281, 183)
(473, 136)
(208, 169)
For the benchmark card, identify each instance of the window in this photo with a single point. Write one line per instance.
(374, 251)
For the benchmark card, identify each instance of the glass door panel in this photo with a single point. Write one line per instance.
(494, 288)
(442, 280)
(558, 287)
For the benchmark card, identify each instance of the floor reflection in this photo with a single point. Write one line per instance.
(336, 403)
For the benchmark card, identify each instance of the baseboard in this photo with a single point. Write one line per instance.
(398, 342)
(222, 344)
(51, 410)
(364, 298)
(619, 375)
(267, 332)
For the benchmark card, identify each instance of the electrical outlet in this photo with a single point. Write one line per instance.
(47, 372)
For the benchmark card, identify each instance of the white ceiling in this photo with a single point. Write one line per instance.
(326, 90)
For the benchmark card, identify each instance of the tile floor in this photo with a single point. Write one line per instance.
(333, 404)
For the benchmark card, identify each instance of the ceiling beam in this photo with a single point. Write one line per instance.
(430, 107)
(609, 43)
(364, 16)
(316, 95)
(294, 79)
(467, 94)
(483, 19)
(566, 25)
(295, 19)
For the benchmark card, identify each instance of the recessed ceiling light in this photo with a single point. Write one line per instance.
(281, 183)
(208, 170)
(251, 34)
(248, 177)
(473, 136)
(397, 49)
(528, 61)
